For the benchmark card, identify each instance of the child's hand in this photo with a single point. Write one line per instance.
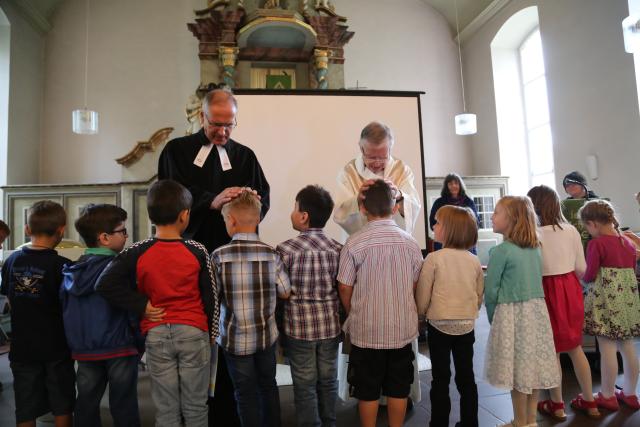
(633, 237)
(153, 314)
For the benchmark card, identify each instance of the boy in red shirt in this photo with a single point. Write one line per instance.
(170, 282)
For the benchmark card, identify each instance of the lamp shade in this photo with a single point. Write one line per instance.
(631, 33)
(466, 124)
(85, 121)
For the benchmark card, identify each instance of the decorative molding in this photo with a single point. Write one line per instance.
(142, 147)
(32, 15)
(217, 29)
(212, 5)
(332, 35)
(484, 17)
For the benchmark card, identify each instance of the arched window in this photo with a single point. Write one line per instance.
(522, 108)
(5, 33)
(634, 9)
(536, 111)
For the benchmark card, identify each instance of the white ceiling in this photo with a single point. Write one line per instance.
(468, 10)
(45, 7)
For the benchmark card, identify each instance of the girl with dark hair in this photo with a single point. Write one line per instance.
(453, 193)
(562, 263)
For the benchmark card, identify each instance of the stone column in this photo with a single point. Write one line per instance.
(228, 57)
(321, 63)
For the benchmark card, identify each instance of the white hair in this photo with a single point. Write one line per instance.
(376, 133)
(218, 96)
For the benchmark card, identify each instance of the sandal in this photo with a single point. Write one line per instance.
(608, 403)
(549, 408)
(631, 401)
(586, 407)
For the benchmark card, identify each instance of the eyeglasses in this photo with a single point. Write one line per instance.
(122, 230)
(374, 159)
(218, 125)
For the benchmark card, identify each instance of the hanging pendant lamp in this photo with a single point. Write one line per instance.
(631, 33)
(85, 121)
(466, 123)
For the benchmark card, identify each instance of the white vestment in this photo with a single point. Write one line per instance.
(347, 213)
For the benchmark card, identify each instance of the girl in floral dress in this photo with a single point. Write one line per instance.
(520, 356)
(612, 306)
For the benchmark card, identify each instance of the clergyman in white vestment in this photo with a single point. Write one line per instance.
(375, 162)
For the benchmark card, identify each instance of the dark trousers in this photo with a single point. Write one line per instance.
(121, 373)
(441, 347)
(222, 407)
(254, 380)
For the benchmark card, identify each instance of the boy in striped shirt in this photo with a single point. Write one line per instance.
(379, 267)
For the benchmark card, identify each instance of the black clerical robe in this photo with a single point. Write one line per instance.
(205, 183)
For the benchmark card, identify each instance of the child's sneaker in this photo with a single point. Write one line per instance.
(630, 401)
(610, 404)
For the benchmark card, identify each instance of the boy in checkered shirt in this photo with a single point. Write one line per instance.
(250, 276)
(311, 321)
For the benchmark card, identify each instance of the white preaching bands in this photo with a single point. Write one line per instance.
(204, 152)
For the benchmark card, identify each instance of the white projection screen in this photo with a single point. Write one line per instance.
(303, 138)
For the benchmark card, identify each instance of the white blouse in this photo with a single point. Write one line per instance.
(562, 250)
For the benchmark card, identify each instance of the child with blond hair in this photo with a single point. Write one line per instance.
(250, 275)
(520, 351)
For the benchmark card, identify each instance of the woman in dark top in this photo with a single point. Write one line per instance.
(454, 193)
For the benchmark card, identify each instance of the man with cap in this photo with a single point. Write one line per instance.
(575, 184)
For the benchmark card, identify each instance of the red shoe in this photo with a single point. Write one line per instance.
(610, 404)
(630, 401)
(549, 408)
(586, 407)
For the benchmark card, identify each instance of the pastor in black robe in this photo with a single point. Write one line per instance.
(205, 183)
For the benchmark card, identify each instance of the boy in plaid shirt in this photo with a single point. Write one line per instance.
(250, 274)
(311, 320)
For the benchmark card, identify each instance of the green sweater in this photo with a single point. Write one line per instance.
(514, 274)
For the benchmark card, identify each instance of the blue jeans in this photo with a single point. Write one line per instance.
(178, 360)
(121, 373)
(315, 386)
(254, 381)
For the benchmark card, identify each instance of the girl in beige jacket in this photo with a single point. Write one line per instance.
(449, 292)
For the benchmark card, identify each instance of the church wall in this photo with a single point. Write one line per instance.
(407, 45)
(593, 100)
(143, 65)
(25, 98)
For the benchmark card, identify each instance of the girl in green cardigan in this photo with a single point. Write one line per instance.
(520, 351)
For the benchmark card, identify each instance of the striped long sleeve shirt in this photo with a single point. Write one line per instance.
(382, 262)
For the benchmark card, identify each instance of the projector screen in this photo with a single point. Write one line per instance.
(303, 138)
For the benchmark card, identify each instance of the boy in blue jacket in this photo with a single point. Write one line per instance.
(101, 337)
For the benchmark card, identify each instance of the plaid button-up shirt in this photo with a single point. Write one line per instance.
(311, 313)
(382, 262)
(249, 274)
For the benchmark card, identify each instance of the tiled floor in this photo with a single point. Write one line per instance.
(495, 404)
